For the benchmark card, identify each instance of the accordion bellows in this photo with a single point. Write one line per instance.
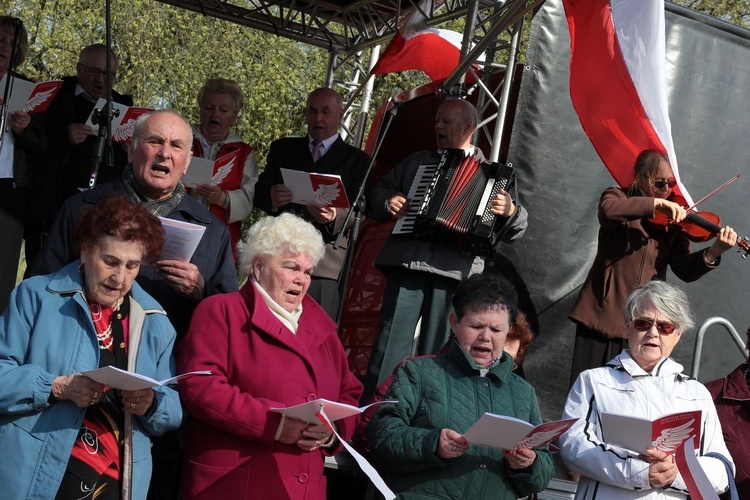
(450, 202)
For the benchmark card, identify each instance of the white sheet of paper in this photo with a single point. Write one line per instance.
(180, 239)
(21, 92)
(486, 431)
(199, 172)
(630, 433)
(116, 120)
(368, 469)
(308, 412)
(299, 183)
(111, 376)
(510, 433)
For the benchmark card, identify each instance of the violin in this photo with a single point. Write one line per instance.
(698, 227)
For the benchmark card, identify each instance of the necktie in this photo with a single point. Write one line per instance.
(317, 147)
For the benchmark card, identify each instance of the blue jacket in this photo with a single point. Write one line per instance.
(47, 331)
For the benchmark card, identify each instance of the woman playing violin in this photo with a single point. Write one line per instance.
(631, 251)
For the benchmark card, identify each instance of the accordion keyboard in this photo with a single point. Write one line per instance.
(405, 225)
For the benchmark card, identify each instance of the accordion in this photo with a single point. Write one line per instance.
(450, 202)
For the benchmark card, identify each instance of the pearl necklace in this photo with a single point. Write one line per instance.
(105, 338)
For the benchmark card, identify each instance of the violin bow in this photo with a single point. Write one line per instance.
(692, 208)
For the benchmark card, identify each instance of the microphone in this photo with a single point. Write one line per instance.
(396, 106)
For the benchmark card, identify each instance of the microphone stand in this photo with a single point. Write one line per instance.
(357, 209)
(103, 117)
(9, 79)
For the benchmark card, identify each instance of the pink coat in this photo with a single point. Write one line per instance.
(256, 364)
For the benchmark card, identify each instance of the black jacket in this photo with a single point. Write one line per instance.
(67, 166)
(342, 159)
(213, 257)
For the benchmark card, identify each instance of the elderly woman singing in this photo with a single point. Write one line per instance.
(420, 439)
(268, 346)
(642, 381)
(230, 194)
(65, 436)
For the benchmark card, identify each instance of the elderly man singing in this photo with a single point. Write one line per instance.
(159, 155)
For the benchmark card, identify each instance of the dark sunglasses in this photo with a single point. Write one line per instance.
(644, 325)
(663, 183)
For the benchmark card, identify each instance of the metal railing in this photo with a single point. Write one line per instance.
(714, 320)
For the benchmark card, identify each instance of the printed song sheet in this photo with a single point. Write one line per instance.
(325, 190)
(30, 97)
(180, 239)
(111, 376)
(199, 173)
(508, 433)
(666, 433)
(308, 412)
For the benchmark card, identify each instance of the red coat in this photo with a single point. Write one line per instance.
(732, 399)
(257, 364)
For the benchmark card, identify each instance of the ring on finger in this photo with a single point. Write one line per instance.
(137, 399)
(453, 448)
(132, 406)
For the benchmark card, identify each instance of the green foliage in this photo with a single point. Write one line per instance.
(166, 53)
(733, 11)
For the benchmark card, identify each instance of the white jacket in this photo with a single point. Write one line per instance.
(623, 387)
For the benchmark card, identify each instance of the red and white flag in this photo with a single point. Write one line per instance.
(693, 475)
(618, 81)
(415, 46)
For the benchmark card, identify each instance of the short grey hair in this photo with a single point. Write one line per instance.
(285, 233)
(665, 298)
(140, 123)
(329, 93)
(222, 86)
(88, 51)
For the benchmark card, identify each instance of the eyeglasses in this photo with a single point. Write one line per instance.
(96, 72)
(644, 325)
(664, 183)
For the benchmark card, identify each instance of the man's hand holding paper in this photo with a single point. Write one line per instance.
(184, 277)
(180, 241)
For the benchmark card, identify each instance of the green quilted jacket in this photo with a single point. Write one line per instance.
(446, 391)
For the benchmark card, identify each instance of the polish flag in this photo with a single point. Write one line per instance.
(415, 46)
(618, 81)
